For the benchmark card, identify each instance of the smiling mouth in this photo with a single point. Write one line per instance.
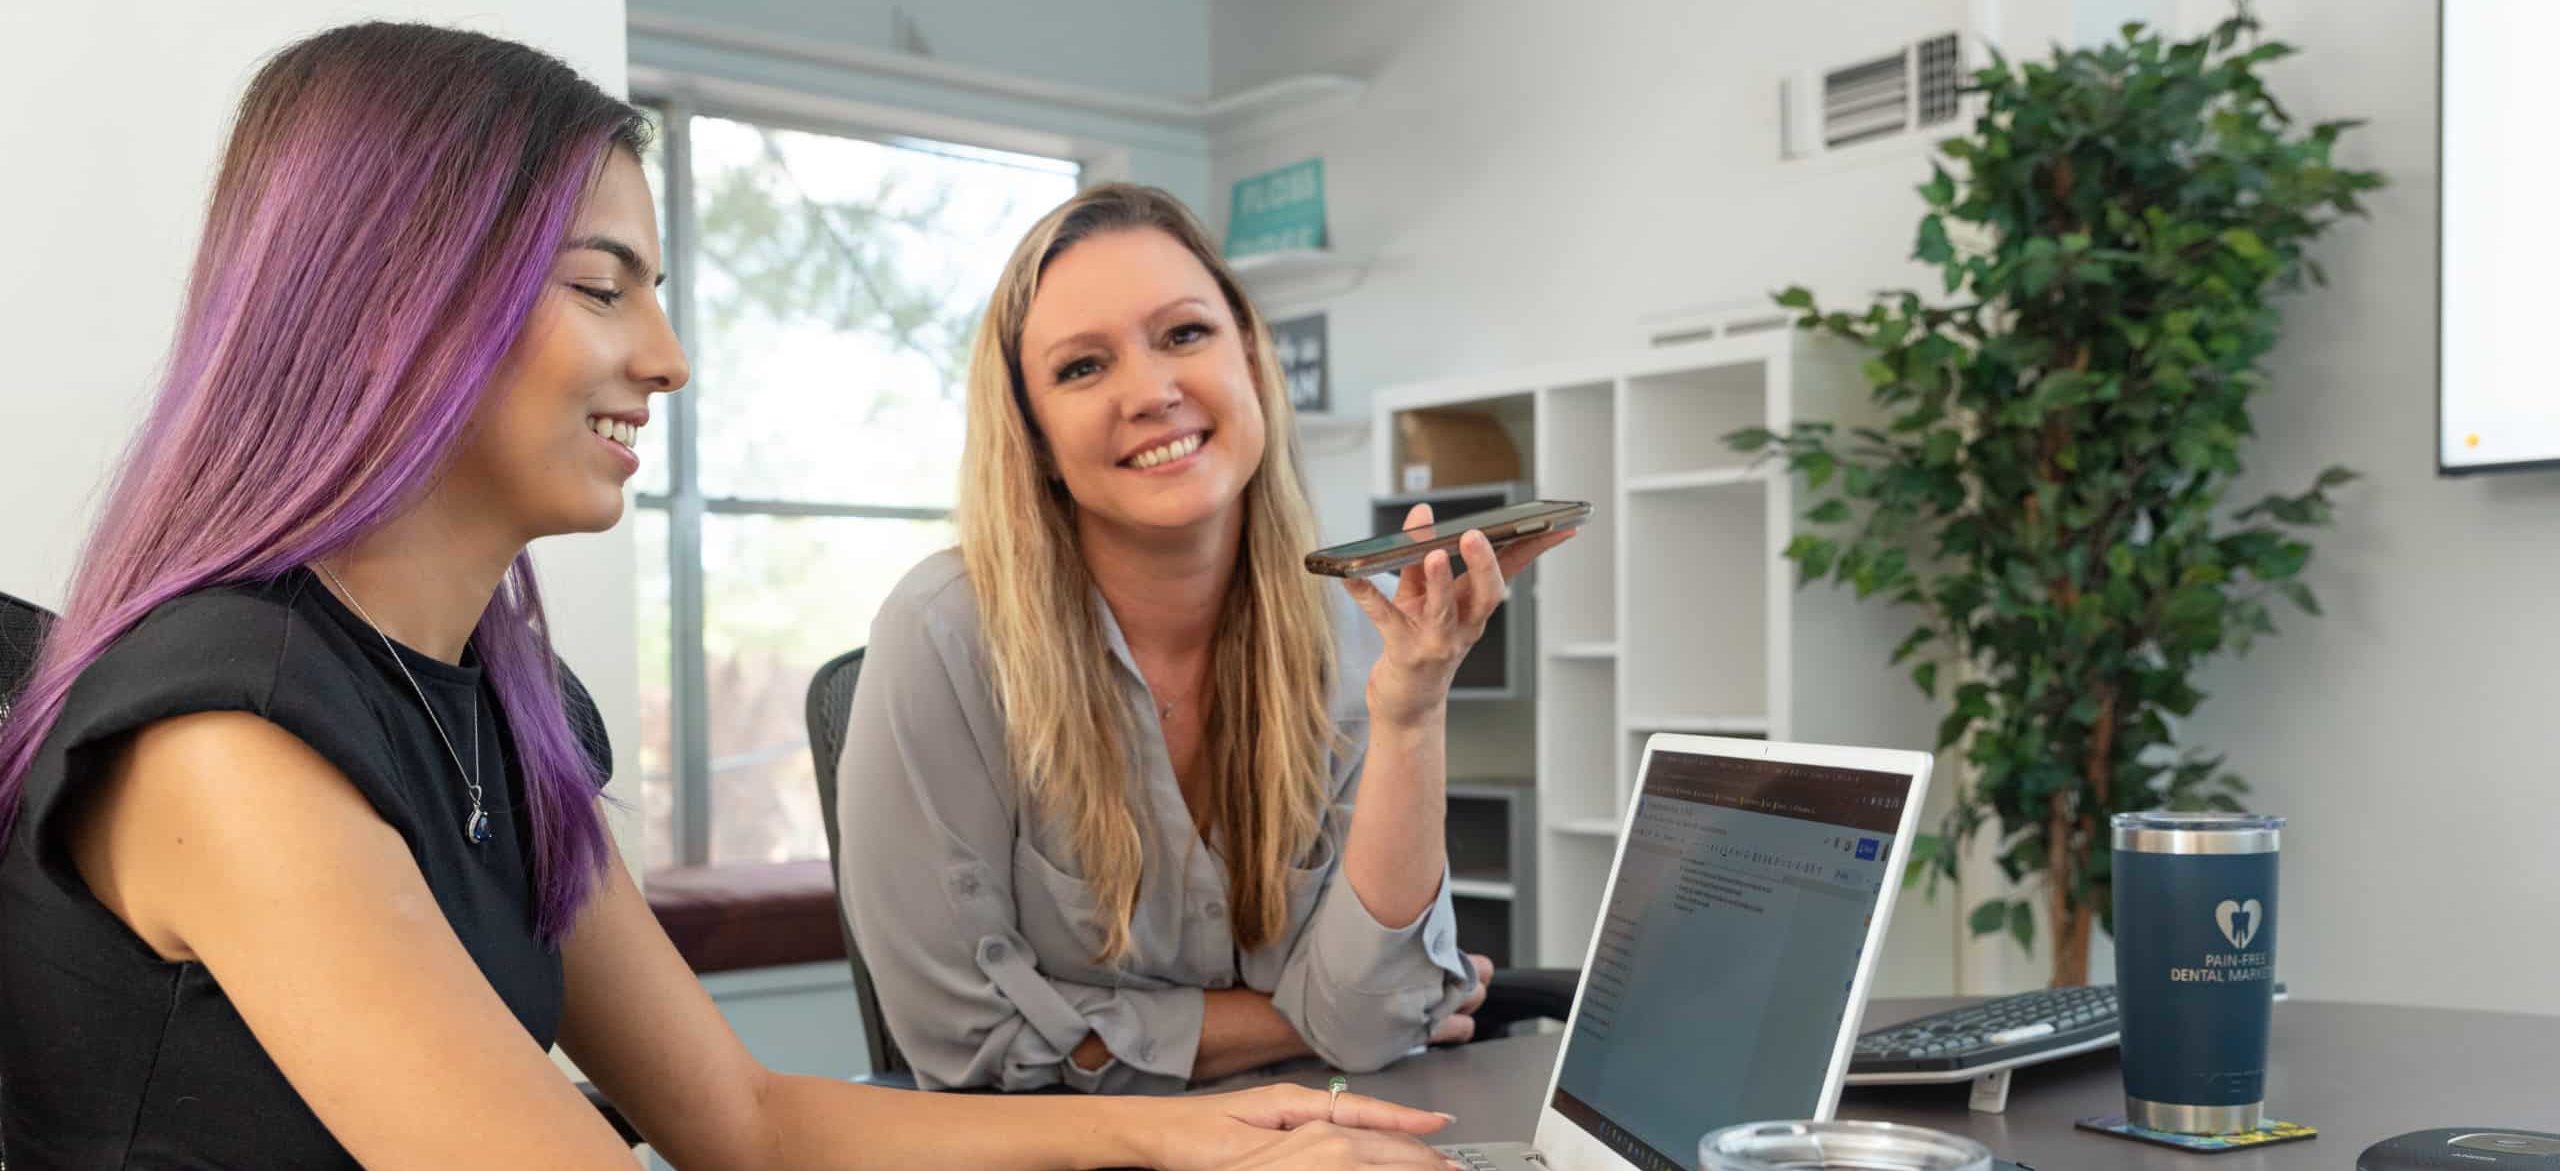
(614, 429)
(1165, 453)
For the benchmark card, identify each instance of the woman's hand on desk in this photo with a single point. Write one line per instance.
(1322, 1146)
(1460, 1026)
(1434, 619)
(1288, 1127)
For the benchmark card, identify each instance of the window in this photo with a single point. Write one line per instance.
(827, 286)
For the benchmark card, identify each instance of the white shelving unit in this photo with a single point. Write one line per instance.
(1675, 611)
(1293, 278)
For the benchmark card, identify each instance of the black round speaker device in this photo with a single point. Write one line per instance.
(2458, 1148)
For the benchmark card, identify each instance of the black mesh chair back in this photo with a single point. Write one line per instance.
(22, 627)
(830, 703)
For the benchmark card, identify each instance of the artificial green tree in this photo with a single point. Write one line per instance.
(2059, 432)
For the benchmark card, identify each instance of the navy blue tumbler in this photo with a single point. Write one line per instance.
(2195, 935)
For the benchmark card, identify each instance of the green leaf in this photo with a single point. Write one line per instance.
(2245, 244)
(1991, 916)
(1953, 728)
(1933, 246)
(1816, 557)
(2192, 604)
(1926, 676)
(1817, 468)
(1829, 512)
(1750, 439)
(1796, 297)
(1878, 371)
(2280, 560)
(2299, 593)
(1924, 854)
(2022, 924)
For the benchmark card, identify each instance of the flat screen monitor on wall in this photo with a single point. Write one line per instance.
(2498, 202)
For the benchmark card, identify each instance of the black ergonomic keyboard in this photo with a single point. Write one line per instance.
(2003, 1033)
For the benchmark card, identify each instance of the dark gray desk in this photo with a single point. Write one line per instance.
(2359, 1072)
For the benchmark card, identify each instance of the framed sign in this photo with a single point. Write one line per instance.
(1301, 343)
(1278, 211)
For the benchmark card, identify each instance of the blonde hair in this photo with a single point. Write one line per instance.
(1071, 738)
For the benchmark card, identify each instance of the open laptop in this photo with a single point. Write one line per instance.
(1737, 933)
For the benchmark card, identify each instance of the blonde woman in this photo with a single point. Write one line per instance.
(1098, 783)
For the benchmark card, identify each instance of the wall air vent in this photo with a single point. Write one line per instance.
(1868, 100)
(1911, 88)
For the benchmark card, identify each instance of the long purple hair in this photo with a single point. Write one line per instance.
(388, 211)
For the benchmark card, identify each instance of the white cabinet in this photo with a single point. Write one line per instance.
(1675, 611)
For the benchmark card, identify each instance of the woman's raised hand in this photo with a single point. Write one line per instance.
(1435, 618)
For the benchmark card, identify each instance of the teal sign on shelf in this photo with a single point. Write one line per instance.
(1278, 211)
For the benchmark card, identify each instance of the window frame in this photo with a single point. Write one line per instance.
(692, 768)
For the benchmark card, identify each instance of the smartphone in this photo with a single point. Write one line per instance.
(1394, 551)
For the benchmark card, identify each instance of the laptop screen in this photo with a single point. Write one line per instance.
(1727, 951)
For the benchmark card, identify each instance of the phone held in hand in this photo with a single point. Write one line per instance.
(1393, 551)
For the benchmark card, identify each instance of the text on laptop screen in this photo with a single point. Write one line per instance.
(1727, 951)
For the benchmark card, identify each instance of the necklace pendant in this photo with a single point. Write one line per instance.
(476, 827)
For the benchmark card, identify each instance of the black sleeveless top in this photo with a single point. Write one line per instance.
(113, 1057)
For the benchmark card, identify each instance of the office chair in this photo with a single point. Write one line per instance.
(830, 703)
(22, 627)
(1512, 996)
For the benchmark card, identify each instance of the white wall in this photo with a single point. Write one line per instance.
(1529, 180)
(118, 110)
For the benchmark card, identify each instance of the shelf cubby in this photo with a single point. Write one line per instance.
(1578, 764)
(1577, 598)
(1699, 595)
(1675, 421)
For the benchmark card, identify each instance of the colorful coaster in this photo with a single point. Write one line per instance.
(2270, 1131)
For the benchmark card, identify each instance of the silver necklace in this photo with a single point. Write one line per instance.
(475, 828)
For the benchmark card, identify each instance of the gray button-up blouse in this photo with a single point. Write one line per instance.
(980, 935)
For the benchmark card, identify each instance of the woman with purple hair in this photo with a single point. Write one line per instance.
(301, 861)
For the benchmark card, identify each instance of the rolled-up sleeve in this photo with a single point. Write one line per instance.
(1362, 993)
(927, 828)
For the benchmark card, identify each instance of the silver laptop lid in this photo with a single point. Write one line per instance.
(1730, 952)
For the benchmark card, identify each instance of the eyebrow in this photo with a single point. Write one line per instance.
(637, 268)
(1095, 335)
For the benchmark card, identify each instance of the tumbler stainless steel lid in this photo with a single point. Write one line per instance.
(2160, 831)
